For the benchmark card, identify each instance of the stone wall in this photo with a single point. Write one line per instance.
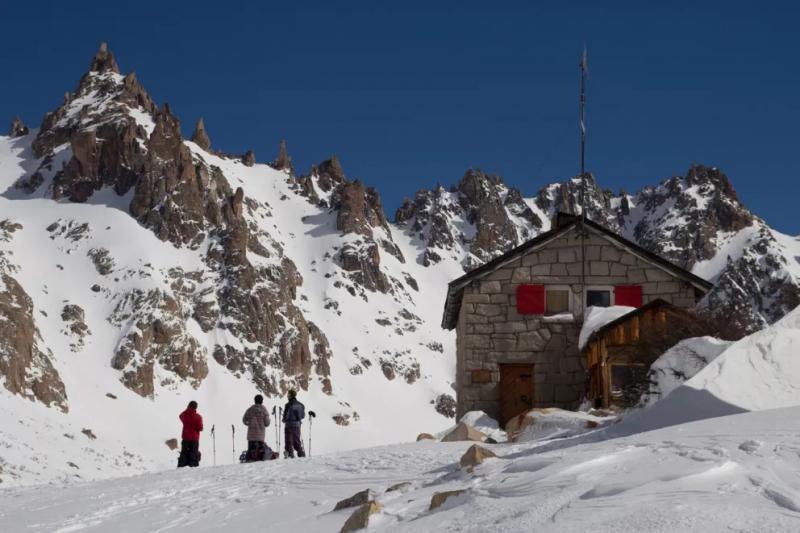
(490, 332)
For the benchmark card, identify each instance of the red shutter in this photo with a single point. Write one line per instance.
(530, 299)
(630, 295)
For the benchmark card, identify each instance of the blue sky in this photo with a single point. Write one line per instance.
(409, 94)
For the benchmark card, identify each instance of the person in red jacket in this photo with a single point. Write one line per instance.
(190, 438)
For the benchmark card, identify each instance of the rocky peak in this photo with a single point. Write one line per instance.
(249, 158)
(104, 61)
(565, 197)
(103, 100)
(330, 173)
(283, 161)
(17, 128)
(200, 136)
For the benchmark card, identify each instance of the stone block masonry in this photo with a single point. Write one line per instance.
(491, 332)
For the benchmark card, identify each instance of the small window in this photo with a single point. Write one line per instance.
(598, 298)
(556, 301)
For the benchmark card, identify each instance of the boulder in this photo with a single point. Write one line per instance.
(360, 517)
(550, 422)
(464, 432)
(438, 498)
(425, 436)
(475, 455)
(400, 487)
(359, 498)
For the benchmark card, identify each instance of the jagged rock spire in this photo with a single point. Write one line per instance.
(283, 161)
(200, 136)
(18, 128)
(104, 60)
(249, 158)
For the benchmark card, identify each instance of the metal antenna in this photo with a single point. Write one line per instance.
(584, 72)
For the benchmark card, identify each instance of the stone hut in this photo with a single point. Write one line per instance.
(518, 317)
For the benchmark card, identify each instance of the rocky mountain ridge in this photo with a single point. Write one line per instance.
(203, 272)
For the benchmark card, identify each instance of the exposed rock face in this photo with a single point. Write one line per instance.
(25, 366)
(359, 212)
(249, 158)
(75, 321)
(155, 334)
(480, 216)
(200, 136)
(114, 136)
(283, 161)
(700, 205)
(687, 220)
(17, 128)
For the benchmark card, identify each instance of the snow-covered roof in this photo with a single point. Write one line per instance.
(597, 317)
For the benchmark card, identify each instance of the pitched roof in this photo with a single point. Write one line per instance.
(658, 302)
(565, 222)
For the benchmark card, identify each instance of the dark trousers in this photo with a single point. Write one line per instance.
(190, 453)
(293, 442)
(256, 450)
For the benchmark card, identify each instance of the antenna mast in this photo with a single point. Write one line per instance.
(584, 69)
(584, 72)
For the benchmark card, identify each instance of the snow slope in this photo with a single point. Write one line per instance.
(736, 473)
(55, 269)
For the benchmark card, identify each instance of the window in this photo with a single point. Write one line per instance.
(598, 298)
(556, 301)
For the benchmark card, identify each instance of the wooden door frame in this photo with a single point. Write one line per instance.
(527, 366)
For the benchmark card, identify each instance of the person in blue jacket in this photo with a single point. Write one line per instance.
(293, 415)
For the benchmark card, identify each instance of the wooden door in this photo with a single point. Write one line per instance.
(516, 391)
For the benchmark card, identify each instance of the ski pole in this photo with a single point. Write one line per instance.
(233, 444)
(311, 416)
(275, 416)
(280, 423)
(214, 443)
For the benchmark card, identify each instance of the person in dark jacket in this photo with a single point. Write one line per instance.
(256, 418)
(190, 437)
(293, 414)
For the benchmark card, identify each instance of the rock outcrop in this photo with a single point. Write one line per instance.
(283, 161)
(26, 365)
(17, 128)
(117, 138)
(249, 158)
(200, 136)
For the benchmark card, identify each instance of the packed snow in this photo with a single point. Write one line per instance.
(736, 473)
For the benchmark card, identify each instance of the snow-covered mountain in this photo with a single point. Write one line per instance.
(140, 270)
(696, 221)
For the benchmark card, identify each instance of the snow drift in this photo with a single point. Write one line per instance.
(758, 372)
